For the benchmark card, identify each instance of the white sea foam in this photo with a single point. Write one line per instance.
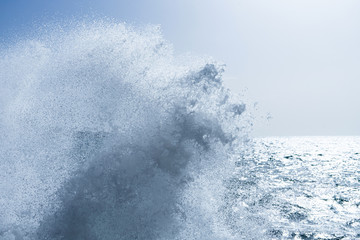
(106, 135)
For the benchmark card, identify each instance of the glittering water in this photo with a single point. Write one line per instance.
(302, 187)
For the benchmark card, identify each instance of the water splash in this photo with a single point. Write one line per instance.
(106, 135)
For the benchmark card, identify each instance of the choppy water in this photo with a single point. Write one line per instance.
(105, 134)
(302, 187)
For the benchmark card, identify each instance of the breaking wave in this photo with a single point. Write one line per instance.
(105, 134)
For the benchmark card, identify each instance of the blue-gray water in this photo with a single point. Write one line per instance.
(105, 134)
(302, 187)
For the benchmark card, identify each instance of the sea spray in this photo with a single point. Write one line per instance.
(106, 135)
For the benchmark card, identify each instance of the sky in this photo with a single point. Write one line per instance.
(298, 59)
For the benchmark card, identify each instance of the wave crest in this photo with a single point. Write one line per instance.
(107, 135)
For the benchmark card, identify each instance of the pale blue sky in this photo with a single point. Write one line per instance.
(300, 59)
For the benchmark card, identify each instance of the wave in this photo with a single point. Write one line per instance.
(106, 134)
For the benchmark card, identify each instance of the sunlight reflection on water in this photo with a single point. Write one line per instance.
(305, 187)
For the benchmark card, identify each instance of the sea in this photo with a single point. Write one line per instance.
(302, 187)
(107, 134)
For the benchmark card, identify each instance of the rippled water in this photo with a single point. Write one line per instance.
(301, 187)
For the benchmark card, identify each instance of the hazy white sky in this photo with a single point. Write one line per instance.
(300, 59)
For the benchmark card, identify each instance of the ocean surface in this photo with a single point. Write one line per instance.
(302, 187)
(106, 134)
